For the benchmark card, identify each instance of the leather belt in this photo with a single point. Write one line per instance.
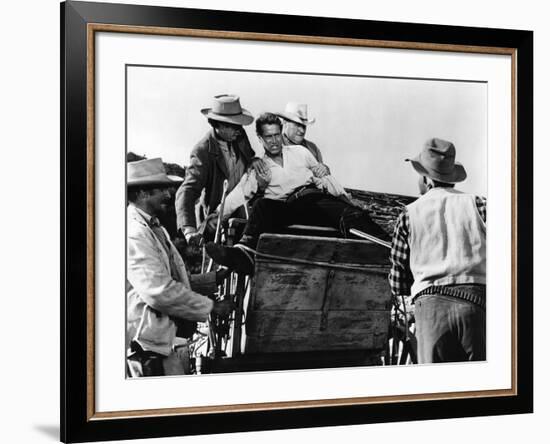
(474, 293)
(303, 191)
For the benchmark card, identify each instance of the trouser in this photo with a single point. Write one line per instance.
(147, 363)
(319, 209)
(449, 329)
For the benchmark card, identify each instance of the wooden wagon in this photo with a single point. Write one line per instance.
(315, 301)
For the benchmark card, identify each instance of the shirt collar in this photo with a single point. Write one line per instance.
(223, 144)
(283, 152)
(143, 214)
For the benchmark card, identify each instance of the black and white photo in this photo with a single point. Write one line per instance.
(284, 217)
(261, 212)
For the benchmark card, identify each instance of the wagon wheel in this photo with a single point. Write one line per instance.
(238, 288)
(225, 335)
(401, 345)
(219, 328)
(241, 289)
(228, 332)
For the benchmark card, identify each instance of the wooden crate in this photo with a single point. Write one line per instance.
(339, 300)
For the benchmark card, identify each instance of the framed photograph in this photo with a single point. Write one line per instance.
(235, 188)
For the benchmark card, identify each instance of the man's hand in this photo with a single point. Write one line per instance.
(194, 238)
(263, 180)
(211, 222)
(259, 166)
(223, 308)
(320, 170)
(263, 173)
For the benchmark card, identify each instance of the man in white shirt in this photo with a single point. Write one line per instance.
(293, 195)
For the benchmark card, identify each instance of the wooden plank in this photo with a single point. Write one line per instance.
(298, 287)
(342, 251)
(285, 308)
(296, 323)
(360, 291)
(278, 286)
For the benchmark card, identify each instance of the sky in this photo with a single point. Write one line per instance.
(365, 126)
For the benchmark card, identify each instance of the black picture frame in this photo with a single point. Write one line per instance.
(77, 417)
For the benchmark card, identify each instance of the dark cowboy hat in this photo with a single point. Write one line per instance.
(227, 108)
(437, 161)
(149, 172)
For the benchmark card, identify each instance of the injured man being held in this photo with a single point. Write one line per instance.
(296, 190)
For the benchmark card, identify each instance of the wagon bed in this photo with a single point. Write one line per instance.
(314, 302)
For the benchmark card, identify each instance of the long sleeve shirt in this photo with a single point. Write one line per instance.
(295, 172)
(313, 148)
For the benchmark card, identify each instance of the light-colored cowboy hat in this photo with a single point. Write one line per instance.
(227, 108)
(437, 161)
(296, 112)
(149, 172)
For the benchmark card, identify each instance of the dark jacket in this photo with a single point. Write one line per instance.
(207, 170)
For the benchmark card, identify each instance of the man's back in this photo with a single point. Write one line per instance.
(447, 239)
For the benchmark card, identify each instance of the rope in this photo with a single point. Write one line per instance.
(316, 263)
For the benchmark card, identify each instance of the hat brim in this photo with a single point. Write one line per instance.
(458, 174)
(245, 118)
(294, 118)
(161, 180)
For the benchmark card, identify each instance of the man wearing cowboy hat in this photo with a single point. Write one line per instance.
(159, 293)
(223, 153)
(438, 256)
(293, 195)
(295, 123)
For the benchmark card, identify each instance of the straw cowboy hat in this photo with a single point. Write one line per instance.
(149, 172)
(296, 112)
(437, 161)
(227, 108)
